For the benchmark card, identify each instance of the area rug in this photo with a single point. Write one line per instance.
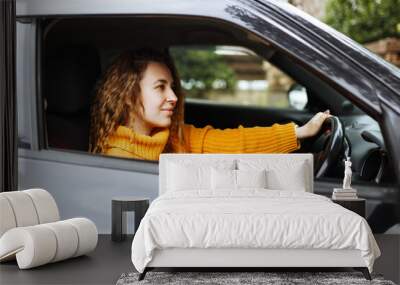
(243, 278)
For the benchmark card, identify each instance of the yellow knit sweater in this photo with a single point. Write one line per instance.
(124, 142)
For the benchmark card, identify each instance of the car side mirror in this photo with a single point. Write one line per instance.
(347, 106)
(297, 97)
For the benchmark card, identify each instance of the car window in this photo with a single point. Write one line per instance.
(235, 75)
(226, 86)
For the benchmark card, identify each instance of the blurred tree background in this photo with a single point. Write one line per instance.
(364, 20)
(202, 70)
(373, 23)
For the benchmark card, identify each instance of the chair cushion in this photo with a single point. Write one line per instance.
(66, 236)
(27, 208)
(7, 215)
(40, 244)
(45, 205)
(24, 211)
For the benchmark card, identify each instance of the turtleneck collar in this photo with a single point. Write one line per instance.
(140, 146)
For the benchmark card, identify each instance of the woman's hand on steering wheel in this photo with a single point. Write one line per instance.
(312, 127)
(327, 144)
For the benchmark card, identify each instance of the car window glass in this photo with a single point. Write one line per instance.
(235, 75)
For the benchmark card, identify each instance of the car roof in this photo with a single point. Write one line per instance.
(301, 25)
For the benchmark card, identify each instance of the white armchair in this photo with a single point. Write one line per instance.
(31, 230)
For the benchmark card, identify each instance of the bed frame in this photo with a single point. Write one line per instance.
(250, 257)
(256, 258)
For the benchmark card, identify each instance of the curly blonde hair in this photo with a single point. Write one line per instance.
(120, 84)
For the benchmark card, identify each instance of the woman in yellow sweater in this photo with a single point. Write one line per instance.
(138, 113)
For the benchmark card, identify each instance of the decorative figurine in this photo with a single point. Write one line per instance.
(347, 174)
(345, 193)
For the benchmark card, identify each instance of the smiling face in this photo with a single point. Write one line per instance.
(158, 99)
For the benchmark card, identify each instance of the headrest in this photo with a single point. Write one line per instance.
(70, 76)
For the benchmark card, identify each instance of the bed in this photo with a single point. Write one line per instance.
(247, 210)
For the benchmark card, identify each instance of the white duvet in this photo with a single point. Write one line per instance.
(252, 218)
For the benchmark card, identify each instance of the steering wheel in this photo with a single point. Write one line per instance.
(327, 145)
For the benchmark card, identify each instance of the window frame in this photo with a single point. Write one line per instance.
(72, 156)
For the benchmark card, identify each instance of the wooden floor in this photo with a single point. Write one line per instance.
(102, 266)
(110, 259)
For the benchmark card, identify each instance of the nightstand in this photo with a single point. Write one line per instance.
(355, 205)
(121, 205)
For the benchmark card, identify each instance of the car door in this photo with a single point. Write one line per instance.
(84, 183)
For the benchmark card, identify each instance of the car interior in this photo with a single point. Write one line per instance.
(77, 51)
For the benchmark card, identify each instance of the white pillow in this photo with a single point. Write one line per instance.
(251, 178)
(223, 179)
(186, 175)
(295, 180)
(228, 179)
(282, 173)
